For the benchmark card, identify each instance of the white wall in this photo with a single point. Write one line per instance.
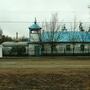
(34, 38)
(1, 51)
(31, 49)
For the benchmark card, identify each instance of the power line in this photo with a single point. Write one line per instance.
(38, 22)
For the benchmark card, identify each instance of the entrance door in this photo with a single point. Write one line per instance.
(37, 50)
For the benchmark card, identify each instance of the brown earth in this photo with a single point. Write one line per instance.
(29, 79)
(61, 77)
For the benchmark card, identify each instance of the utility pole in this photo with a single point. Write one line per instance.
(89, 27)
(89, 12)
(89, 15)
(17, 36)
(75, 23)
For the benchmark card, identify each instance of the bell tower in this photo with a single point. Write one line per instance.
(34, 32)
(34, 38)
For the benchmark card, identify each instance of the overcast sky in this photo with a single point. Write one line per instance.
(24, 12)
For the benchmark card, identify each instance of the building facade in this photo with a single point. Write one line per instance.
(39, 43)
(68, 43)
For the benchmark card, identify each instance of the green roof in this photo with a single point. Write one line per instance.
(35, 26)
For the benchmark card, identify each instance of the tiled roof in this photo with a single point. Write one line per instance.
(66, 36)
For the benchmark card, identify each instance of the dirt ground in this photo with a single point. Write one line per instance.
(57, 73)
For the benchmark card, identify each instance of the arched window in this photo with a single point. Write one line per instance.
(68, 48)
(82, 46)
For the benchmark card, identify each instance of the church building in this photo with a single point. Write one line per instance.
(39, 44)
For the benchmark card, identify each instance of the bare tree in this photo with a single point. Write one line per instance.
(73, 36)
(89, 29)
(81, 27)
(52, 30)
(83, 36)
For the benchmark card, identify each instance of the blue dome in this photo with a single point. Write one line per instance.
(35, 26)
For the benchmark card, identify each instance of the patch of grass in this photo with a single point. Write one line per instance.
(46, 62)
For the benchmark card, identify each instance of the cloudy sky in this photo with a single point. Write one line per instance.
(17, 15)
